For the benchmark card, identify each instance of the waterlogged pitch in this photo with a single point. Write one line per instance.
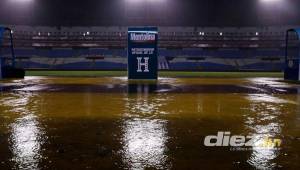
(101, 123)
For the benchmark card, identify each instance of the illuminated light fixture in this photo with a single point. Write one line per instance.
(156, 0)
(21, 1)
(88, 33)
(221, 33)
(267, 1)
(256, 33)
(49, 34)
(201, 33)
(39, 34)
(143, 1)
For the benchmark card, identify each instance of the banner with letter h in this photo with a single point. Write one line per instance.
(142, 53)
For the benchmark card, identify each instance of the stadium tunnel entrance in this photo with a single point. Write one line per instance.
(292, 68)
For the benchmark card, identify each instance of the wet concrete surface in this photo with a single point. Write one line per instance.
(110, 123)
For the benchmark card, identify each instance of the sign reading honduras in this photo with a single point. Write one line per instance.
(142, 53)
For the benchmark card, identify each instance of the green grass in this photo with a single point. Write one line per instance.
(76, 73)
(161, 74)
(221, 74)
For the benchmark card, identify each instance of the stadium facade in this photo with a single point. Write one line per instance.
(180, 48)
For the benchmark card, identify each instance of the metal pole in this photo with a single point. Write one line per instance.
(1, 37)
(286, 45)
(12, 48)
(0, 67)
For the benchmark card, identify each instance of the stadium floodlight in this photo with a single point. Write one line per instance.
(145, 1)
(156, 0)
(201, 33)
(269, 1)
(21, 1)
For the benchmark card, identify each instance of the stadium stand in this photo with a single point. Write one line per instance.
(180, 48)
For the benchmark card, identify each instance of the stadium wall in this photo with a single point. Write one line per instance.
(192, 60)
(181, 48)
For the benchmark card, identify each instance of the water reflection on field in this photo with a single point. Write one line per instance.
(110, 123)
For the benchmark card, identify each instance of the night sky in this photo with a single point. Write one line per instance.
(222, 13)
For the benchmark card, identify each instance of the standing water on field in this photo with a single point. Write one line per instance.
(109, 122)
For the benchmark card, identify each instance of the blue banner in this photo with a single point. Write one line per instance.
(142, 53)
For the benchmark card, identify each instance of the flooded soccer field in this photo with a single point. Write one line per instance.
(111, 123)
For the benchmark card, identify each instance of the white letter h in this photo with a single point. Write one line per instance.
(145, 64)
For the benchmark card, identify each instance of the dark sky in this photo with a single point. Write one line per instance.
(150, 12)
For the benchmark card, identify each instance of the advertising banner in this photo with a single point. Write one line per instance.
(142, 53)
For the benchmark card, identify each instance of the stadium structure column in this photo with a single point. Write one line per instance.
(292, 55)
(142, 53)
